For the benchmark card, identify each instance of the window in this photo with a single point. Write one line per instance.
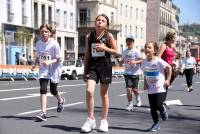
(126, 11)
(65, 19)
(50, 15)
(84, 17)
(120, 30)
(24, 17)
(57, 17)
(112, 18)
(142, 14)
(9, 10)
(136, 32)
(141, 33)
(35, 15)
(130, 30)
(121, 9)
(71, 20)
(125, 30)
(136, 14)
(131, 12)
(69, 44)
(43, 14)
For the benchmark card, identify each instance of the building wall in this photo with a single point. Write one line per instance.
(131, 17)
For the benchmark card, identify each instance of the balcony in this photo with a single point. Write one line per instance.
(24, 20)
(10, 17)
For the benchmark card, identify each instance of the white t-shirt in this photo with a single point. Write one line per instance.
(49, 51)
(131, 54)
(155, 75)
(188, 63)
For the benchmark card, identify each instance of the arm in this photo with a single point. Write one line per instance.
(169, 73)
(112, 42)
(86, 58)
(161, 50)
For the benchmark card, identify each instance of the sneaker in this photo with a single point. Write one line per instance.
(190, 89)
(103, 126)
(41, 117)
(164, 114)
(129, 107)
(89, 125)
(138, 101)
(155, 127)
(60, 107)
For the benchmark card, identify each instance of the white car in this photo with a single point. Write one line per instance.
(72, 69)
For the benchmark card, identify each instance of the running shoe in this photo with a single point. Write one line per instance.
(103, 126)
(155, 127)
(60, 107)
(89, 125)
(138, 101)
(164, 114)
(129, 107)
(190, 89)
(41, 117)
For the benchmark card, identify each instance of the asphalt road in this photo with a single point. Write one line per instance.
(19, 103)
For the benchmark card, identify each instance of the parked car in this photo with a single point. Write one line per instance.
(72, 69)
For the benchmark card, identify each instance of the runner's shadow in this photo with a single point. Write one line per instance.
(132, 129)
(24, 117)
(64, 128)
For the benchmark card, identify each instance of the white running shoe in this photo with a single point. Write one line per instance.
(129, 107)
(103, 126)
(89, 125)
(138, 101)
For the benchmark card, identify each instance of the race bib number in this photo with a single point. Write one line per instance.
(95, 53)
(45, 58)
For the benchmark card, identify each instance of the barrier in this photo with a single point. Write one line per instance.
(17, 71)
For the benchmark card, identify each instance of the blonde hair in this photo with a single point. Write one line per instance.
(169, 35)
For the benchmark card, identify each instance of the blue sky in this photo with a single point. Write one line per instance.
(190, 11)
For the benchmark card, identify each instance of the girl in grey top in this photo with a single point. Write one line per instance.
(49, 60)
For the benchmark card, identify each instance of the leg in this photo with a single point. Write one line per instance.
(105, 100)
(153, 107)
(43, 92)
(90, 97)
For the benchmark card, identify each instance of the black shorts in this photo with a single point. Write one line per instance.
(100, 70)
(132, 81)
(44, 84)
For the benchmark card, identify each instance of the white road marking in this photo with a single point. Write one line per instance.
(50, 108)
(28, 96)
(121, 95)
(173, 102)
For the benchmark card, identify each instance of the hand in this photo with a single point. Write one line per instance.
(46, 63)
(33, 68)
(131, 62)
(85, 77)
(100, 47)
(167, 83)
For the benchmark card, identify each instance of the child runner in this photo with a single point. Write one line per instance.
(131, 59)
(99, 47)
(154, 81)
(49, 60)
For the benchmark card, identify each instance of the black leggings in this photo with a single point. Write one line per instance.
(156, 104)
(189, 75)
(43, 87)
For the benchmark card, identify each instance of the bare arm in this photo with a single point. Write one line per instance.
(161, 50)
(169, 74)
(86, 57)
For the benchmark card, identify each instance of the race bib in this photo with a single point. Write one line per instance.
(45, 58)
(95, 53)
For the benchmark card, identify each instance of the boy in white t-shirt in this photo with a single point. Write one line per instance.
(131, 60)
(155, 83)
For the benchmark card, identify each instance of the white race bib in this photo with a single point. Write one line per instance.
(95, 53)
(44, 58)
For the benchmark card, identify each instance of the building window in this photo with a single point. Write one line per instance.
(65, 19)
(141, 33)
(125, 30)
(69, 44)
(72, 2)
(57, 17)
(84, 17)
(131, 12)
(126, 11)
(121, 10)
(35, 15)
(9, 10)
(112, 18)
(71, 20)
(142, 14)
(24, 17)
(50, 15)
(136, 14)
(136, 32)
(120, 30)
(43, 14)
(130, 30)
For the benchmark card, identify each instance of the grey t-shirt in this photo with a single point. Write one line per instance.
(49, 51)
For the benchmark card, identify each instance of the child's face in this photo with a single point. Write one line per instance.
(45, 33)
(149, 49)
(101, 23)
(129, 44)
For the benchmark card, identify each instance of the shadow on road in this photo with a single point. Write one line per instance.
(64, 128)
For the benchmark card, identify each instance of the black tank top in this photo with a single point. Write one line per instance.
(104, 39)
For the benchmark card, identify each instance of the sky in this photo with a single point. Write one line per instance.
(189, 11)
